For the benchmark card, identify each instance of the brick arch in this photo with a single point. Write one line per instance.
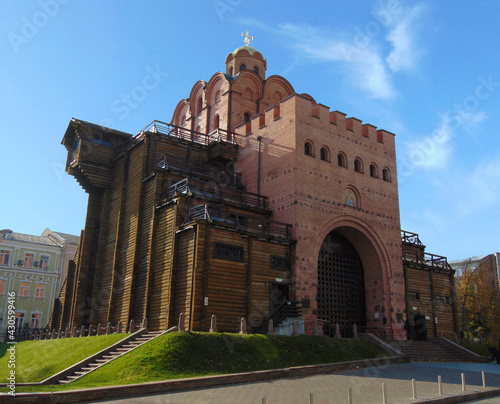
(357, 232)
(376, 266)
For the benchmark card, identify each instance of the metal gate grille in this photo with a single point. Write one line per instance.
(341, 292)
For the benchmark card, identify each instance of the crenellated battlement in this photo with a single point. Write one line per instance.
(350, 125)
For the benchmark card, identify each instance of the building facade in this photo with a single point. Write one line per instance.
(32, 267)
(429, 291)
(253, 196)
(491, 262)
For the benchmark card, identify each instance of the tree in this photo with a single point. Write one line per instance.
(478, 302)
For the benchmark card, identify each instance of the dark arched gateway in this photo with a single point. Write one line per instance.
(341, 289)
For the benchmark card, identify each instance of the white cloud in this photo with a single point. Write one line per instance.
(363, 66)
(404, 53)
(432, 151)
(360, 53)
(480, 189)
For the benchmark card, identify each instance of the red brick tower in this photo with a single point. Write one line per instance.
(333, 178)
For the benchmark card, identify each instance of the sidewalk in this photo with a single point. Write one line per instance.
(366, 385)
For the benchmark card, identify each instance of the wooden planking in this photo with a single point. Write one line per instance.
(102, 297)
(124, 270)
(420, 281)
(161, 281)
(444, 311)
(141, 287)
(184, 274)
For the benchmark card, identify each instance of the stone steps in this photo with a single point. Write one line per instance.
(428, 351)
(104, 359)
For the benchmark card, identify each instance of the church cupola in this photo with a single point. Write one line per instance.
(246, 58)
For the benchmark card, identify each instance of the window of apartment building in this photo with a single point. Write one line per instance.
(40, 290)
(4, 257)
(2, 287)
(28, 260)
(35, 320)
(24, 289)
(44, 262)
(19, 320)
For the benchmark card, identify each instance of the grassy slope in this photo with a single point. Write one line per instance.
(480, 349)
(185, 354)
(37, 360)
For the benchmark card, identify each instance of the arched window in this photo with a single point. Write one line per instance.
(256, 69)
(216, 121)
(199, 105)
(325, 154)
(386, 175)
(217, 96)
(246, 117)
(358, 166)
(373, 171)
(341, 160)
(243, 66)
(308, 149)
(231, 71)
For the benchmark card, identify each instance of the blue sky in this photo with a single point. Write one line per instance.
(427, 71)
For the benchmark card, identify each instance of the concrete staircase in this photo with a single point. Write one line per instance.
(429, 351)
(118, 351)
(100, 358)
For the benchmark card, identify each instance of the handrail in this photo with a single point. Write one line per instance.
(251, 224)
(427, 259)
(218, 135)
(410, 238)
(218, 191)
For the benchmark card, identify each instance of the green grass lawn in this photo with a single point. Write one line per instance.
(37, 360)
(179, 355)
(476, 347)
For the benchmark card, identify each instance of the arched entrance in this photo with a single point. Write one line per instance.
(341, 285)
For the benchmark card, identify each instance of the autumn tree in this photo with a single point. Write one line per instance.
(478, 302)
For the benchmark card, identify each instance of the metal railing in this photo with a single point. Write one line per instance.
(410, 238)
(198, 169)
(217, 135)
(250, 224)
(426, 259)
(217, 191)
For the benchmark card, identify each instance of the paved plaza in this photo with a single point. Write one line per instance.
(365, 384)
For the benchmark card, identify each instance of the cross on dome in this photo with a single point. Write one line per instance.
(247, 38)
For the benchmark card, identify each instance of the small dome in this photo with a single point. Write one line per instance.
(249, 49)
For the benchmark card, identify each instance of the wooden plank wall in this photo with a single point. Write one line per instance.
(184, 274)
(102, 297)
(138, 309)
(429, 285)
(85, 270)
(444, 311)
(419, 280)
(227, 286)
(161, 273)
(262, 276)
(128, 241)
